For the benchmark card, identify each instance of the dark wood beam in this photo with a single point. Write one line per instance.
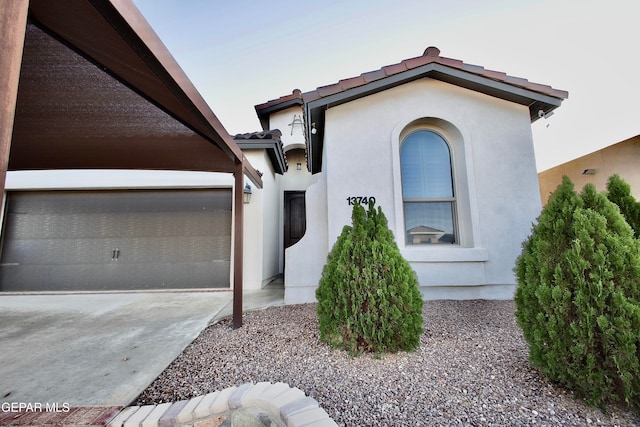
(13, 22)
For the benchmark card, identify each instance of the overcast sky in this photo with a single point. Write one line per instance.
(239, 53)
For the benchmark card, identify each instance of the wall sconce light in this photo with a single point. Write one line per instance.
(313, 129)
(247, 194)
(299, 166)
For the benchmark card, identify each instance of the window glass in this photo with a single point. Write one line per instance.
(426, 166)
(427, 189)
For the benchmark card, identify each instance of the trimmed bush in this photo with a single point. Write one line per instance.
(619, 192)
(368, 298)
(578, 301)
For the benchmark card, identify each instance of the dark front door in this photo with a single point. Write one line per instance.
(295, 217)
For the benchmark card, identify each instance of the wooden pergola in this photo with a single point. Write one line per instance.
(87, 84)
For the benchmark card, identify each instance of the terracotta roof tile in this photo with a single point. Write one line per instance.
(516, 81)
(475, 69)
(352, 82)
(372, 76)
(454, 63)
(495, 75)
(418, 61)
(311, 96)
(395, 69)
(329, 90)
(537, 87)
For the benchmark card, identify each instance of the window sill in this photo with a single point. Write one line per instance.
(452, 253)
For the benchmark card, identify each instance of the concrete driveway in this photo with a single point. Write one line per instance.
(96, 349)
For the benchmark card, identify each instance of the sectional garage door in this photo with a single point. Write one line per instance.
(116, 240)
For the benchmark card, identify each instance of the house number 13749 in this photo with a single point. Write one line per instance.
(362, 200)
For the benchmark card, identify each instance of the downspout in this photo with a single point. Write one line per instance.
(237, 247)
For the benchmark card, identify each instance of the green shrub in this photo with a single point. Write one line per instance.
(368, 298)
(619, 192)
(578, 301)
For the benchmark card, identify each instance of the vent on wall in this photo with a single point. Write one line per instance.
(589, 172)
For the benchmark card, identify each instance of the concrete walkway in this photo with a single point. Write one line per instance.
(101, 349)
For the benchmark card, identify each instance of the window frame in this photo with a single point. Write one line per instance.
(453, 200)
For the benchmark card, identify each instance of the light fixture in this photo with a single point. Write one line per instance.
(247, 194)
(299, 166)
(313, 129)
(589, 172)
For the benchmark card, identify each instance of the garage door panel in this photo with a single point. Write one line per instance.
(121, 250)
(69, 202)
(77, 241)
(69, 226)
(123, 277)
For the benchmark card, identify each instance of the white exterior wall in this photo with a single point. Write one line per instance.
(306, 258)
(261, 222)
(291, 135)
(495, 178)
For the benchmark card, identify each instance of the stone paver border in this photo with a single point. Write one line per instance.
(288, 404)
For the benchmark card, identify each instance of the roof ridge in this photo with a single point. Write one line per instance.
(431, 55)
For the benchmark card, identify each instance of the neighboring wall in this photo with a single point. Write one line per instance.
(496, 184)
(622, 158)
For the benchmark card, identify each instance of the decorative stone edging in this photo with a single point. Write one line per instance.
(279, 403)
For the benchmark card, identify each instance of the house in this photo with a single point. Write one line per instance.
(621, 158)
(119, 176)
(444, 147)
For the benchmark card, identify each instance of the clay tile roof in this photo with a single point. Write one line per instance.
(266, 134)
(430, 56)
(294, 98)
(268, 140)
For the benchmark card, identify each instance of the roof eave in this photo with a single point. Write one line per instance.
(270, 142)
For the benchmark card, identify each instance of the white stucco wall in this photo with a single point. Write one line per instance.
(495, 177)
(306, 258)
(291, 135)
(261, 222)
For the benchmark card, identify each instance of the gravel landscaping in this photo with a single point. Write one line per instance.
(471, 369)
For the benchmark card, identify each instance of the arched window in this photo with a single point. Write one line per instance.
(428, 191)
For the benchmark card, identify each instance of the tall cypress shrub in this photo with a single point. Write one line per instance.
(577, 300)
(619, 192)
(368, 297)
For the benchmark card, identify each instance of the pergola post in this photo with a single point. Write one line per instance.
(13, 24)
(238, 247)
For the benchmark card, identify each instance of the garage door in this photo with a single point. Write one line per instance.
(116, 240)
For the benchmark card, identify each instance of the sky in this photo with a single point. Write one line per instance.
(240, 53)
